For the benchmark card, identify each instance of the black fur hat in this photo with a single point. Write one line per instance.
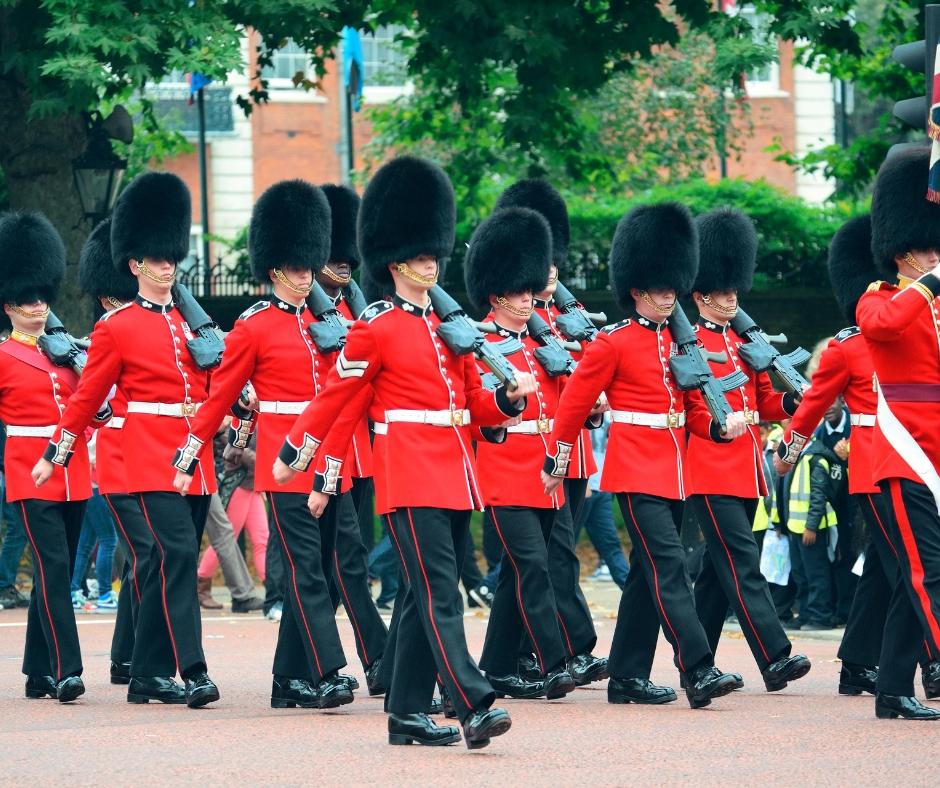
(510, 252)
(541, 196)
(290, 227)
(152, 218)
(902, 218)
(654, 247)
(344, 208)
(727, 243)
(32, 258)
(407, 210)
(851, 267)
(96, 273)
(372, 290)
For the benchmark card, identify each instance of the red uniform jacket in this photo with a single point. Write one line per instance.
(902, 329)
(509, 471)
(359, 460)
(141, 348)
(582, 464)
(734, 467)
(33, 394)
(845, 368)
(109, 453)
(395, 349)
(630, 361)
(270, 346)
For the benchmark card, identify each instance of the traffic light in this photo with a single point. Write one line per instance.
(919, 56)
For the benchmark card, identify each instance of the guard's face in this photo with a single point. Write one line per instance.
(162, 273)
(302, 277)
(549, 290)
(517, 305)
(926, 258)
(29, 317)
(665, 300)
(341, 274)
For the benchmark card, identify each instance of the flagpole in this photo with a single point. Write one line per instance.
(203, 188)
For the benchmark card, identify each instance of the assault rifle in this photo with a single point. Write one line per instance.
(764, 357)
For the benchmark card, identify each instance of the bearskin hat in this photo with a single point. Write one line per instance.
(290, 228)
(407, 210)
(851, 266)
(32, 258)
(510, 252)
(654, 247)
(541, 196)
(372, 290)
(344, 209)
(902, 218)
(727, 244)
(96, 273)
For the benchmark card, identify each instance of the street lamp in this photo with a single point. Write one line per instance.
(98, 171)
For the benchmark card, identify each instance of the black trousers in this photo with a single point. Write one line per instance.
(659, 595)
(524, 600)
(52, 647)
(137, 544)
(169, 624)
(308, 644)
(430, 638)
(574, 616)
(350, 578)
(913, 623)
(730, 574)
(362, 497)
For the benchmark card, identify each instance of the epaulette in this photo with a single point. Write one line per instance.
(879, 285)
(616, 326)
(254, 309)
(113, 312)
(375, 309)
(848, 333)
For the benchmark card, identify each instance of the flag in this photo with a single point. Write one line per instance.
(353, 69)
(196, 83)
(728, 6)
(933, 130)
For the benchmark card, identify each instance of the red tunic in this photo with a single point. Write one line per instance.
(902, 329)
(359, 460)
(734, 467)
(630, 361)
(109, 453)
(395, 349)
(844, 368)
(141, 348)
(36, 397)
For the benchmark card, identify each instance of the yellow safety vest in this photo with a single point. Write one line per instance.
(800, 494)
(761, 518)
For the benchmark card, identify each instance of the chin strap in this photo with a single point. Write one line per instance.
(663, 310)
(514, 310)
(294, 288)
(30, 315)
(145, 271)
(334, 277)
(727, 311)
(414, 276)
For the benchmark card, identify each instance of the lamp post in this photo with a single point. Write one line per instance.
(98, 172)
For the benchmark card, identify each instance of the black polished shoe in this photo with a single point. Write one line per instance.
(483, 725)
(333, 692)
(890, 707)
(930, 676)
(419, 729)
(288, 693)
(436, 707)
(529, 667)
(585, 668)
(515, 686)
(247, 605)
(40, 687)
(120, 672)
(200, 690)
(738, 680)
(779, 673)
(350, 681)
(641, 691)
(373, 684)
(558, 683)
(705, 683)
(69, 688)
(856, 679)
(157, 688)
(447, 704)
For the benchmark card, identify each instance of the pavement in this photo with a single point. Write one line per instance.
(804, 735)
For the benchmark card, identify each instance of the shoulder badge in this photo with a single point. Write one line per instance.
(879, 285)
(113, 312)
(375, 309)
(254, 309)
(616, 326)
(848, 333)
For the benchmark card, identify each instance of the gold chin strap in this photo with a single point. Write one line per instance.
(526, 313)
(26, 339)
(294, 288)
(663, 310)
(414, 276)
(912, 262)
(331, 275)
(29, 315)
(729, 311)
(163, 280)
(114, 303)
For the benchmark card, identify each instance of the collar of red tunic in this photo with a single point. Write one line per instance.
(710, 325)
(152, 307)
(412, 309)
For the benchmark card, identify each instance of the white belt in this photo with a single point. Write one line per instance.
(115, 423)
(380, 428)
(436, 418)
(30, 432)
(176, 410)
(862, 419)
(532, 427)
(658, 421)
(282, 408)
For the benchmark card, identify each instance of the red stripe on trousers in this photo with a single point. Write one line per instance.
(130, 544)
(166, 610)
(349, 608)
(45, 596)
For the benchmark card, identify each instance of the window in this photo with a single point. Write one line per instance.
(382, 58)
(285, 63)
(766, 79)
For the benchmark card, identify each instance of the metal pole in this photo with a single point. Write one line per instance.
(203, 189)
(350, 150)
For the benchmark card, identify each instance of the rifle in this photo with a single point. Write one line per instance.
(764, 357)
(61, 348)
(329, 332)
(691, 370)
(355, 298)
(460, 334)
(206, 346)
(576, 323)
(555, 360)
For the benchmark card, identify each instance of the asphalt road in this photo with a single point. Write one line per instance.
(805, 735)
